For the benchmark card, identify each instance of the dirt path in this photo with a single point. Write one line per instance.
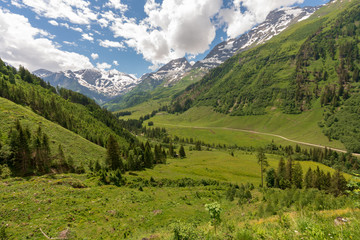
(267, 134)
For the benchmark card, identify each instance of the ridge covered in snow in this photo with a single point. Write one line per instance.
(276, 22)
(98, 84)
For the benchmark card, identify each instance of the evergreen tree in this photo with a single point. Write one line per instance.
(338, 183)
(262, 161)
(309, 179)
(281, 174)
(270, 178)
(113, 160)
(297, 176)
(182, 152)
(171, 150)
(148, 156)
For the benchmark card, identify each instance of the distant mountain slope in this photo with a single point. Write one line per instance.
(174, 71)
(97, 84)
(276, 22)
(315, 61)
(167, 76)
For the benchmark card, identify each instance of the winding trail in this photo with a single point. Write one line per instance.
(262, 133)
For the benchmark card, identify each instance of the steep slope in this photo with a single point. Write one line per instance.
(81, 150)
(314, 61)
(97, 84)
(276, 22)
(69, 109)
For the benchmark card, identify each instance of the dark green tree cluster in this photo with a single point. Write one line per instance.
(290, 175)
(29, 154)
(242, 192)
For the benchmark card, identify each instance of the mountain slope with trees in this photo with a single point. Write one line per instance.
(314, 61)
(69, 109)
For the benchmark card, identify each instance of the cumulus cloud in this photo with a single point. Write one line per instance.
(77, 11)
(170, 30)
(117, 5)
(54, 23)
(244, 14)
(94, 56)
(111, 44)
(86, 36)
(115, 63)
(103, 66)
(22, 44)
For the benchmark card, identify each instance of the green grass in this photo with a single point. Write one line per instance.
(80, 149)
(300, 127)
(221, 166)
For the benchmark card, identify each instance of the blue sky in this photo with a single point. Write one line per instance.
(132, 36)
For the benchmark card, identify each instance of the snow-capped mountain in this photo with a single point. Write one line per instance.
(98, 84)
(170, 73)
(276, 22)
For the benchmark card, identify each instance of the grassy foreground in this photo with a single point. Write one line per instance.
(156, 203)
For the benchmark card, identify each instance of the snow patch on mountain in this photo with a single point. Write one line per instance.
(276, 22)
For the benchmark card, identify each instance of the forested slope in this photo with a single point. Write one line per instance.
(316, 60)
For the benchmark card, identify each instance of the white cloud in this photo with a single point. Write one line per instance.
(117, 5)
(115, 63)
(103, 66)
(238, 22)
(16, 3)
(94, 56)
(111, 44)
(54, 23)
(22, 44)
(170, 30)
(70, 43)
(76, 29)
(86, 36)
(77, 11)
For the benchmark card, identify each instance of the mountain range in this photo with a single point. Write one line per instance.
(103, 86)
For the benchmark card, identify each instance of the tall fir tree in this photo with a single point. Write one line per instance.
(182, 153)
(262, 161)
(297, 178)
(113, 159)
(281, 174)
(308, 180)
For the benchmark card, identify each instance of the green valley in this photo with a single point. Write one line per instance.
(264, 146)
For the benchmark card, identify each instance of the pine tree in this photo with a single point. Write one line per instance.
(270, 178)
(338, 183)
(280, 175)
(308, 178)
(148, 156)
(171, 150)
(297, 176)
(262, 161)
(182, 152)
(113, 160)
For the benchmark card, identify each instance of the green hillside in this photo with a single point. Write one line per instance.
(69, 109)
(312, 66)
(81, 150)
